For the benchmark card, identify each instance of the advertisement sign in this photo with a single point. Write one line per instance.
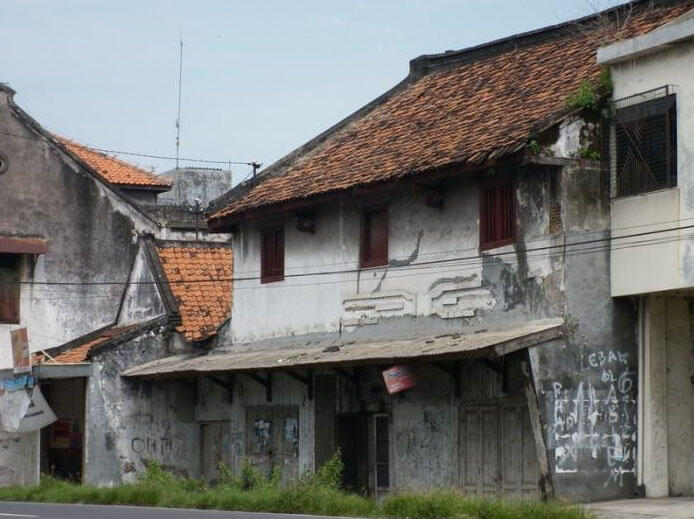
(399, 378)
(20, 351)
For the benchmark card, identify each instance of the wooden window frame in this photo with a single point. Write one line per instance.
(265, 276)
(496, 184)
(7, 288)
(364, 261)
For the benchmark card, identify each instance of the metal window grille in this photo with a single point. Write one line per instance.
(640, 143)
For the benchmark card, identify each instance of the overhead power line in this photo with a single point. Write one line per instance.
(571, 248)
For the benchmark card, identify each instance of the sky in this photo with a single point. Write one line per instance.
(259, 77)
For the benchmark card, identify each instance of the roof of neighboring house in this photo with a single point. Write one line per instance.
(468, 108)
(199, 277)
(113, 170)
(80, 353)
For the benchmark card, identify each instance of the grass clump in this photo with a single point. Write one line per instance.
(318, 493)
(585, 98)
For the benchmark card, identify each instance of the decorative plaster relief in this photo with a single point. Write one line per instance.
(451, 300)
(368, 308)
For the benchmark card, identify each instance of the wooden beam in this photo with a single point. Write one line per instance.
(228, 385)
(453, 370)
(307, 380)
(546, 486)
(265, 382)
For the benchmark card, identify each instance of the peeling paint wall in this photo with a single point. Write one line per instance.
(130, 422)
(19, 463)
(91, 235)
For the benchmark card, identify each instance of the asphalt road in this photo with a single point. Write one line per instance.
(53, 511)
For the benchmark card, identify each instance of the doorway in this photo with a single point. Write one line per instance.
(62, 442)
(497, 450)
(214, 449)
(272, 439)
(364, 443)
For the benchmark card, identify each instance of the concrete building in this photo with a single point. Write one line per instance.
(652, 188)
(426, 286)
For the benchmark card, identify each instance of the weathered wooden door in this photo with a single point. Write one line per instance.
(214, 449)
(272, 439)
(497, 453)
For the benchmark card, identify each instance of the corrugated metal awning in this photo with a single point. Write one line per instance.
(16, 245)
(441, 347)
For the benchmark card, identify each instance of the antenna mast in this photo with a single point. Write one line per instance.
(178, 114)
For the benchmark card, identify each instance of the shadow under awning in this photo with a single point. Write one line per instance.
(441, 347)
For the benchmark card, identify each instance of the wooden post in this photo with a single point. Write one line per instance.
(545, 483)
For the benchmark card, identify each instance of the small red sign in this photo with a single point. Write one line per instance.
(399, 378)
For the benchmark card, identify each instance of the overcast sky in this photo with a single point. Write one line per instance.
(259, 77)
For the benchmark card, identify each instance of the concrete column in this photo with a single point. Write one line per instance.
(653, 442)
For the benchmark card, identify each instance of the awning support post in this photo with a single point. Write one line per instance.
(307, 380)
(546, 486)
(354, 377)
(265, 382)
(228, 385)
(453, 370)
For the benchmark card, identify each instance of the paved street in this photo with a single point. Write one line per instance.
(670, 508)
(53, 511)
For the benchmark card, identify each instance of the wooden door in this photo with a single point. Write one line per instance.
(497, 453)
(272, 439)
(214, 449)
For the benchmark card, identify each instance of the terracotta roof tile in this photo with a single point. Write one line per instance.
(483, 107)
(113, 170)
(200, 280)
(80, 353)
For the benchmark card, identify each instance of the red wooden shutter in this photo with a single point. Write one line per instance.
(9, 288)
(374, 245)
(497, 215)
(272, 255)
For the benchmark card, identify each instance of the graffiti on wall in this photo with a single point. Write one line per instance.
(593, 420)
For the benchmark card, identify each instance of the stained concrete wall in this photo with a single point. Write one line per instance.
(205, 184)
(20, 459)
(142, 300)
(130, 422)
(91, 233)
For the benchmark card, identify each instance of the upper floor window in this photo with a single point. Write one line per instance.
(272, 255)
(9, 288)
(645, 143)
(374, 237)
(497, 214)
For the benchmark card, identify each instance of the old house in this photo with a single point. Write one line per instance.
(651, 184)
(427, 286)
(84, 268)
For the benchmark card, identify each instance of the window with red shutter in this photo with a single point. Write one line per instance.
(374, 237)
(272, 255)
(9, 288)
(497, 215)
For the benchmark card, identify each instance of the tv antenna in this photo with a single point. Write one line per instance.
(180, 77)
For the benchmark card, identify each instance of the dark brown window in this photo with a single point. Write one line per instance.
(497, 215)
(9, 288)
(646, 145)
(272, 255)
(374, 237)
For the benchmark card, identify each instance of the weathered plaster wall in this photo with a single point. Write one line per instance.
(91, 234)
(634, 268)
(442, 296)
(19, 463)
(141, 301)
(130, 422)
(205, 184)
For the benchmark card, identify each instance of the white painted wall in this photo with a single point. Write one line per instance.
(670, 264)
(667, 442)
(352, 298)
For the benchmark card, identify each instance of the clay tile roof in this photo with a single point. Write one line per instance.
(113, 170)
(468, 108)
(80, 353)
(200, 279)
